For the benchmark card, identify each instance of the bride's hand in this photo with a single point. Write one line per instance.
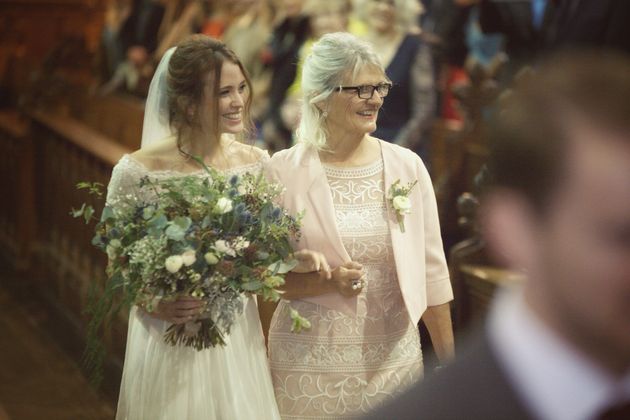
(179, 311)
(310, 261)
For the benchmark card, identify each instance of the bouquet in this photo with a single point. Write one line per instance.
(215, 237)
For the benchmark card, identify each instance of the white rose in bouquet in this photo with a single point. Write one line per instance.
(210, 258)
(174, 263)
(189, 257)
(240, 244)
(224, 205)
(222, 247)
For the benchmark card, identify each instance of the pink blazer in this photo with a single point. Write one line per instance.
(420, 261)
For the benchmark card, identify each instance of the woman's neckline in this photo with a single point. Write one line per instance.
(198, 171)
(369, 165)
(377, 158)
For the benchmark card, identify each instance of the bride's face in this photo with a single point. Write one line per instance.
(233, 93)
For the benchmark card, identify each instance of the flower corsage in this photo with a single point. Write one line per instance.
(400, 202)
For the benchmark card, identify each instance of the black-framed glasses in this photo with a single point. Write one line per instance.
(367, 91)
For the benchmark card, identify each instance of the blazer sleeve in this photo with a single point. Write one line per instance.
(438, 282)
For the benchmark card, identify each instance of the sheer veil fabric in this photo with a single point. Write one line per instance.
(164, 382)
(156, 112)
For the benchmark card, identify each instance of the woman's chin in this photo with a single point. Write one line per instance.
(368, 128)
(232, 128)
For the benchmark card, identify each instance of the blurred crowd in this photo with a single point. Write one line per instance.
(425, 46)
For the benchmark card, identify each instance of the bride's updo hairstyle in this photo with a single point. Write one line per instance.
(332, 58)
(196, 61)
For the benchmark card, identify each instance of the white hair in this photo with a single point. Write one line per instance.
(331, 58)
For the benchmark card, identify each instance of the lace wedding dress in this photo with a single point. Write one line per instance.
(167, 382)
(344, 366)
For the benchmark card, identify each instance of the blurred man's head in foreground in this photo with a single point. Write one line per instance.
(559, 202)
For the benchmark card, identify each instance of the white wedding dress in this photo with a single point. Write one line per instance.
(164, 382)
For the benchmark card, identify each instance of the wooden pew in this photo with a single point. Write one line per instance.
(54, 260)
(482, 282)
(124, 116)
(18, 219)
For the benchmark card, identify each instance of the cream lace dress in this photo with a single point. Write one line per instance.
(164, 382)
(344, 366)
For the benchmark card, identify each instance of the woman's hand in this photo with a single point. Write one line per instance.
(311, 261)
(349, 278)
(179, 311)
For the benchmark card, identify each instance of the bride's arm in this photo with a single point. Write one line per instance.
(301, 285)
(313, 277)
(124, 181)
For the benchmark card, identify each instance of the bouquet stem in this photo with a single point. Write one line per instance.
(208, 335)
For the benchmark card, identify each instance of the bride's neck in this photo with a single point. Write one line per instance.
(201, 144)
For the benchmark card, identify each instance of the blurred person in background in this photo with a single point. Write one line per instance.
(556, 347)
(524, 25)
(115, 14)
(208, 17)
(247, 36)
(130, 36)
(281, 56)
(534, 27)
(183, 21)
(392, 27)
(325, 17)
(602, 23)
(460, 44)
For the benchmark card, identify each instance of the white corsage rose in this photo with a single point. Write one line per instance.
(400, 202)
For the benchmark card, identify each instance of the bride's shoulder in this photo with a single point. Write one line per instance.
(158, 156)
(246, 154)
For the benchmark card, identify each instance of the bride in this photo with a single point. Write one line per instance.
(198, 104)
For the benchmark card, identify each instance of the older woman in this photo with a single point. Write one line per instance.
(363, 346)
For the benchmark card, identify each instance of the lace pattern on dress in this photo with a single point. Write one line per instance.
(128, 172)
(344, 366)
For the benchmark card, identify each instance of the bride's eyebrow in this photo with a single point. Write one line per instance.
(243, 82)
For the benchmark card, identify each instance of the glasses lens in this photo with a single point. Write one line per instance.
(383, 89)
(366, 91)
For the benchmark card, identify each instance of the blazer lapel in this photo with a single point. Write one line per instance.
(410, 266)
(319, 230)
(321, 211)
